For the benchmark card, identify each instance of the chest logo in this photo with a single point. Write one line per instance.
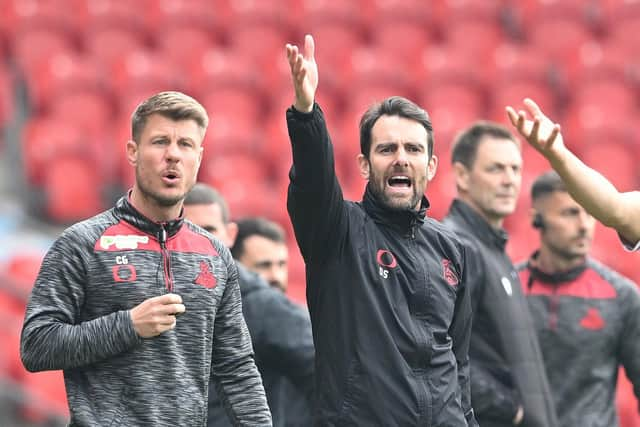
(205, 277)
(124, 273)
(123, 241)
(449, 274)
(592, 320)
(506, 284)
(386, 261)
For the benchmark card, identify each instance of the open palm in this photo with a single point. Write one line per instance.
(304, 72)
(540, 132)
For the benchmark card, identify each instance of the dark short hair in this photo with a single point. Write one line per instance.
(465, 145)
(393, 106)
(173, 105)
(256, 226)
(546, 184)
(203, 194)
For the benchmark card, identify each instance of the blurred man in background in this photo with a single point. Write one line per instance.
(261, 246)
(508, 381)
(280, 330)
(587, 316)
(594, 192)
(105, 305)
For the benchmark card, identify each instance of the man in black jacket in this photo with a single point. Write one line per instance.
(508, 382)
(586, 315)
(280, 330)
(386, 285)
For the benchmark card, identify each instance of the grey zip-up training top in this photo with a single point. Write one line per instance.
(78, 320)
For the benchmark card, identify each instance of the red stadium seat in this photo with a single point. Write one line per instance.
(182, 44)
(206, 15)
(442, 64)
(33, 47)
(20, 15)
(140, 71)
(6, 97)
(215, 68)
(47, 393)
(44, 140)
(61, 75)
(589, 119)
(406, 40)
(616, 161)
(558, 39)
(475, 37)
(73, 190)
(353, 13)
(336, 43)
(374, 72)
(21, 272)
(106, 46)
(512, 93)
(100, 14)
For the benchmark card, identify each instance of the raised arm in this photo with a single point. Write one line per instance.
(593, 191)
(315, 201)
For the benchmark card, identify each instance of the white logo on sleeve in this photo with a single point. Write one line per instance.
(506, 284)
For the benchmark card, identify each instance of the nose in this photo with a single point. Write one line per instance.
(585, 220)
(401, 157)
(172, 152)
(510, 176)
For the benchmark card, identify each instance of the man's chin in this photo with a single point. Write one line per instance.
(399, 203)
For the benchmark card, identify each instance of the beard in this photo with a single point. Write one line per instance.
(160, 199)
(377, 184)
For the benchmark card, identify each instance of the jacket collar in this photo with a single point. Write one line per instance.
(125, 211)
(403, 220)
(553, 278)
(478, 226)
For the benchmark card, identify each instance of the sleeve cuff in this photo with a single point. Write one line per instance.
(628, 246)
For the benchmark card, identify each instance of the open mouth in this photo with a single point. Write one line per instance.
(170, 177)
(399, 182)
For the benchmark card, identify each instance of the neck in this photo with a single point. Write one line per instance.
(551, 262)
(151, 209)
(493, 221)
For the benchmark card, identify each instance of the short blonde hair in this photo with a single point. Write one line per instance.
(171, 104)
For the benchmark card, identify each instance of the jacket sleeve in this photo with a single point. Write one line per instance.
(460, 332)
(315, 201)
(629, 343)
(52, 336)
(238, 381)
(492, 399)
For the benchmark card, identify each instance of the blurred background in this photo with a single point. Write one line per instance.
(72, 72)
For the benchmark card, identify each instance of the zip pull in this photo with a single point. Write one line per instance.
(162, 236)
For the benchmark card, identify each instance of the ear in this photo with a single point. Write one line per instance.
(432, 166)
(462, 177)
(232, 232)
(132, 152)
(364, 166)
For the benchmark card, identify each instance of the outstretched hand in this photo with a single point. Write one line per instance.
(304, 72)
(540, 132)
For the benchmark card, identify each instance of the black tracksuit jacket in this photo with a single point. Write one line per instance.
(387, 295)
(506, 364)
(587, 319)
(281, 335)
